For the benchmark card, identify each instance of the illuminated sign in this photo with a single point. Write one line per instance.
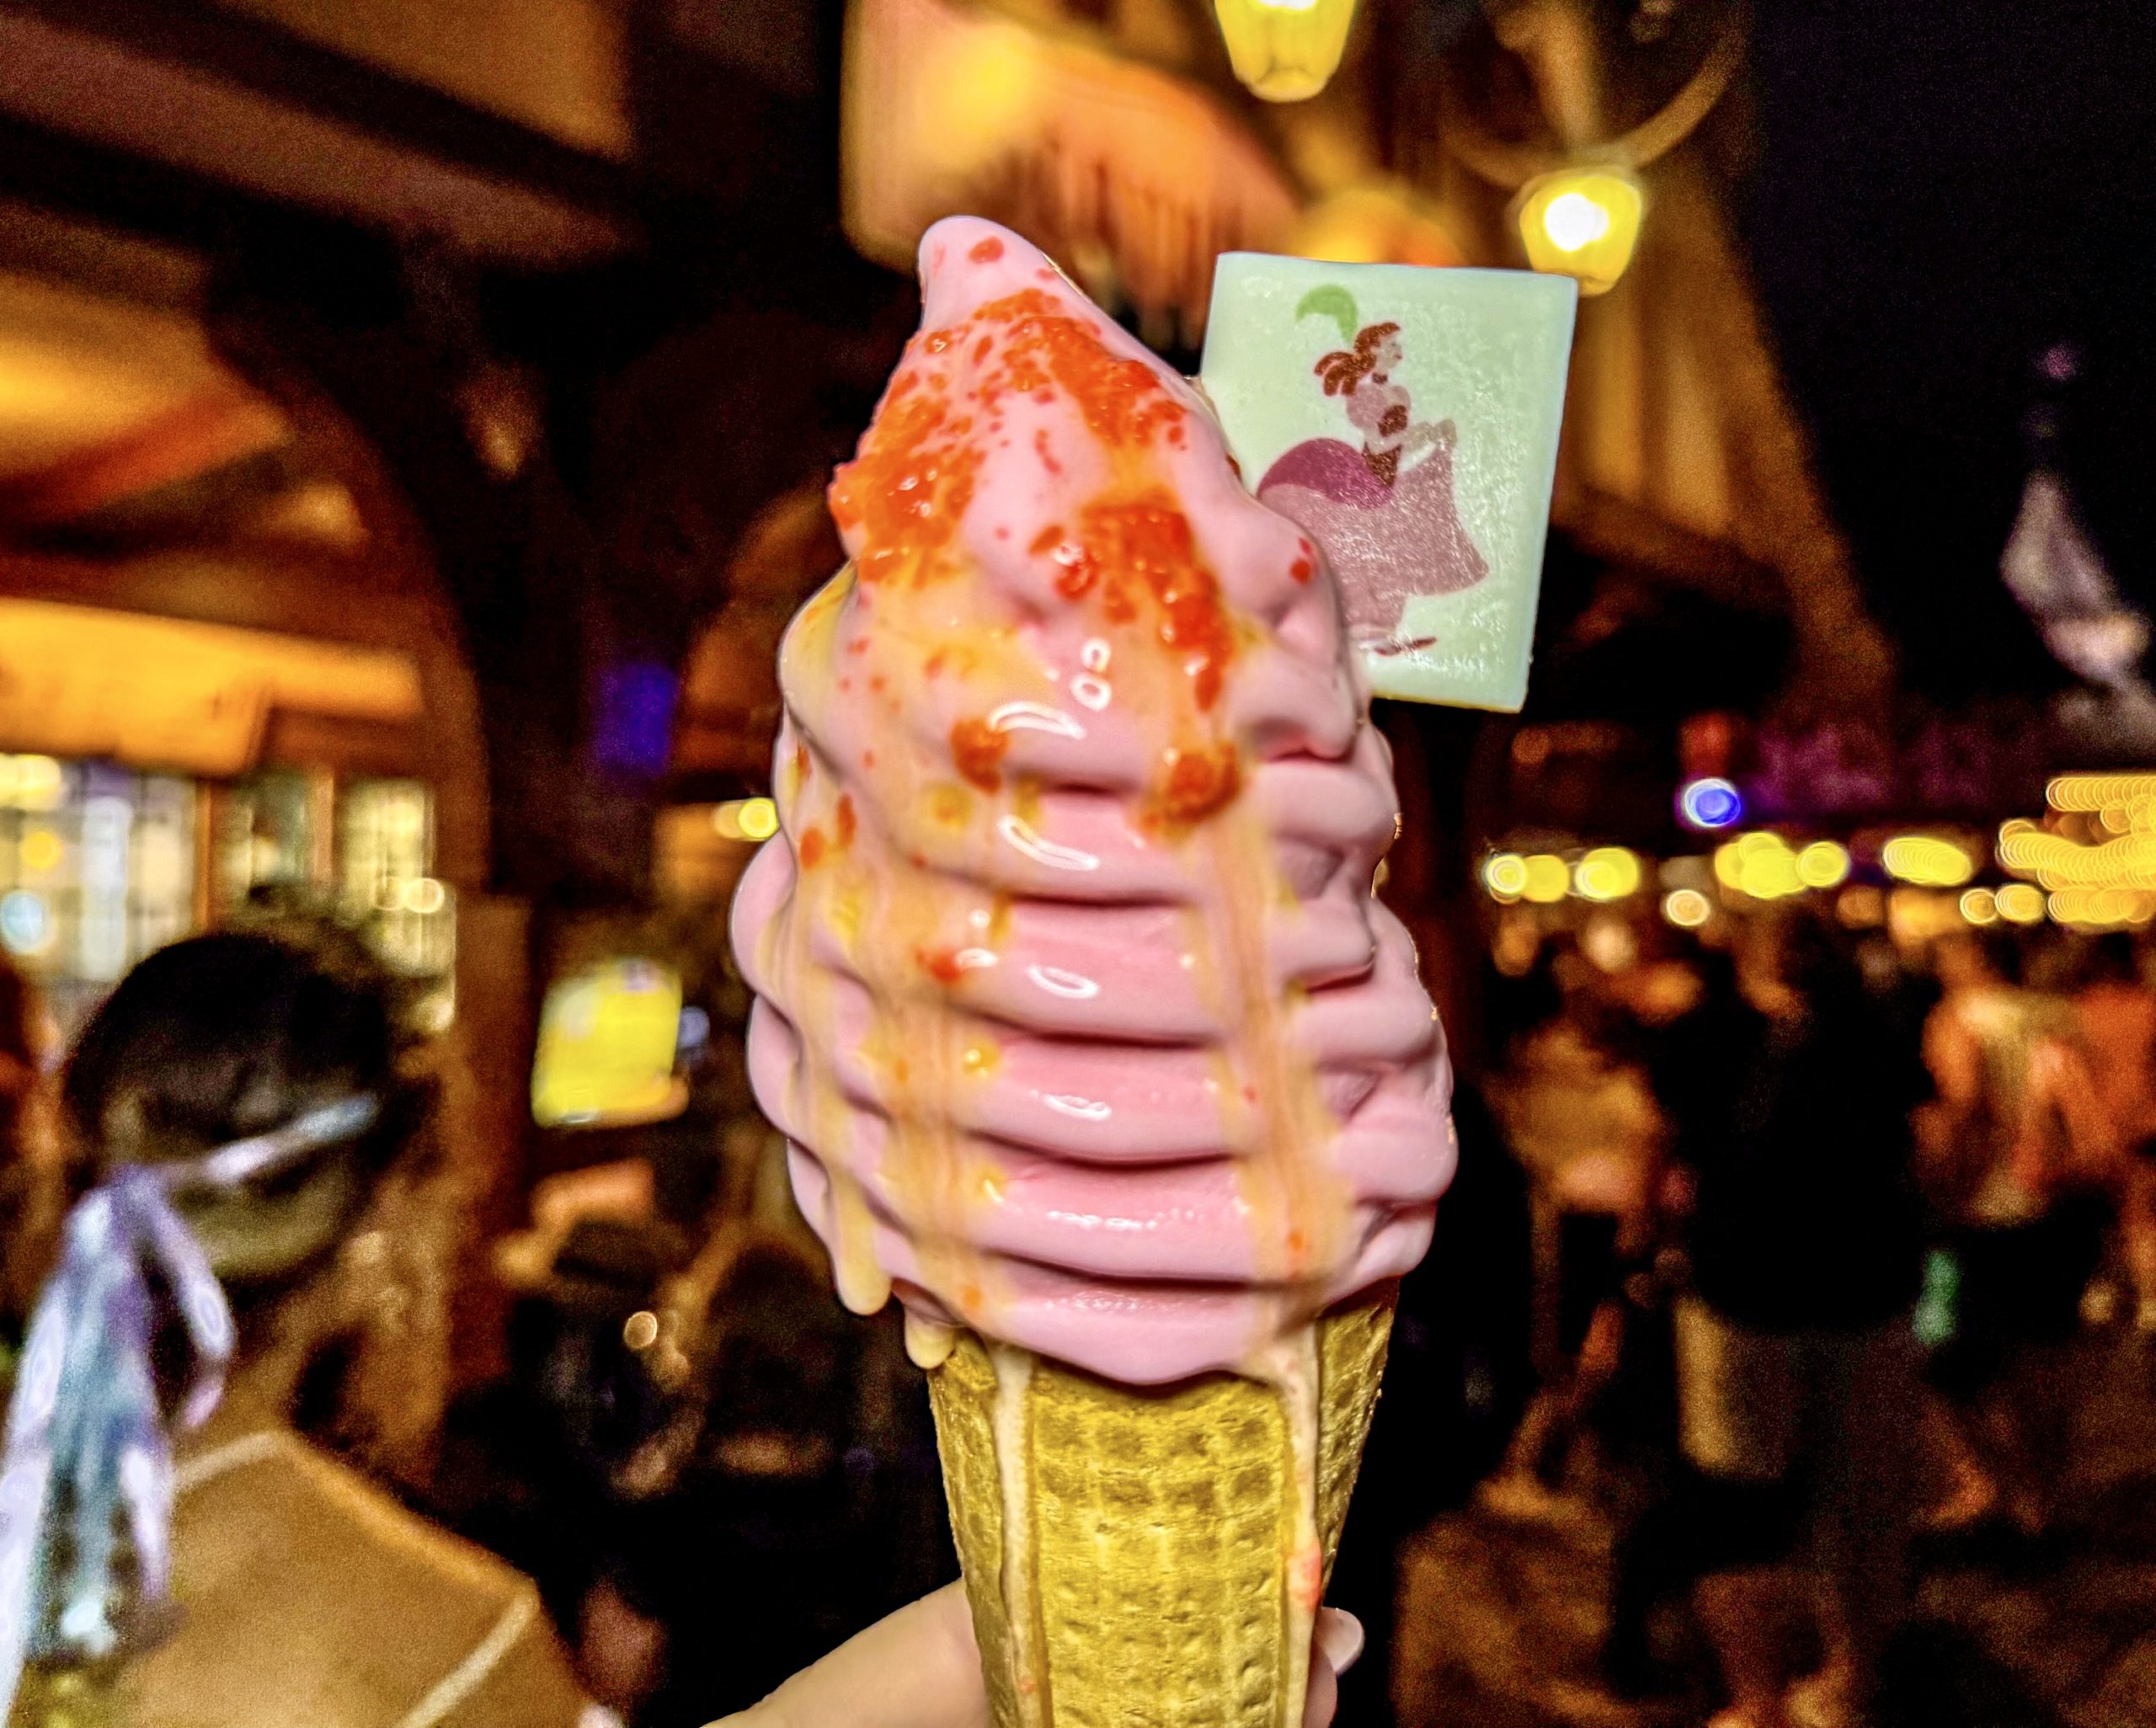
(83, 681)
(1131, 179)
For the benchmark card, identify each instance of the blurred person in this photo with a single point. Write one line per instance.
(795, 1516)
(1458, 1374)
(2018, 1156)
(2117, 1013)
(1580, 1116)
(31, 1180)
(1693, 1030)
(1797, 1362)
(240, 1100)
(18, 1050)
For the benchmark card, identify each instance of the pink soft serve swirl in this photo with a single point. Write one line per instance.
(1099, 1195)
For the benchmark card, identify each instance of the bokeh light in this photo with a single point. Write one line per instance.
(2019, 903)
(1925, 860)
(1823, 864)
(41, 852)
(1688, 909)
(25, 922)
(1505, 875)
(31, 782)
(746, 819)
(1760, 865)
(1545, 879)
(1980, 906)
(1710, 804)
(1607, 873)
(1582, 223)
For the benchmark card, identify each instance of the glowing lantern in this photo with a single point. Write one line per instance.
(1582, 223)
(1285, 51)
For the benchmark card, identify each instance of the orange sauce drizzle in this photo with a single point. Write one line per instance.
(1129, 557)
(979, 749)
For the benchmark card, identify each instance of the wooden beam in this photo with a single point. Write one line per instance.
(231, 100)
(210, 431)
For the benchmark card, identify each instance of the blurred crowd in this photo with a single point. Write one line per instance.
(1776, 1243)
(1818, 1219)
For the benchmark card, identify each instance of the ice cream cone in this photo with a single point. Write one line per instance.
(1142, 1559)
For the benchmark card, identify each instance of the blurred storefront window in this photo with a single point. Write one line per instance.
(101, 864)
(97, 868)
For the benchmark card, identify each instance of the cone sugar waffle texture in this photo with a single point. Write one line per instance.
(1089, 1038)
(1125, 1551)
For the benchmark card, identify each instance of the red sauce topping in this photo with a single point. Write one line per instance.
(1197, 783)
(978, 748)
(811, 848)
(845, 819)
(940, 964)
(1300, 569)
(1124, 547)
(905, 490)
(1131, 552)
(1124, 401)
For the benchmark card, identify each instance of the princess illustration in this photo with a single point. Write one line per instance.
(1384, 514)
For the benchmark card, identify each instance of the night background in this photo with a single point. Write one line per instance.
(416, 421)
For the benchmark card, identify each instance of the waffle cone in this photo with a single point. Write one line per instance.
(1152, 1559)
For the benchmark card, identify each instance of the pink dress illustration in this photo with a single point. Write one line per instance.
(1384, 514)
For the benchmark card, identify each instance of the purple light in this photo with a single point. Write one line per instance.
(1710, 804)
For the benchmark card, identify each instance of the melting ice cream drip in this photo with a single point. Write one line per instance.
(1072, 995)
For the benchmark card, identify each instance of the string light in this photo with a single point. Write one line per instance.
(1823, 864)
(1760, 865)
(1582, 223)
(1505, 875)
(1545, 879)
(1925, 860)
(1607, 873)
(2018, 902)
(2102, 907)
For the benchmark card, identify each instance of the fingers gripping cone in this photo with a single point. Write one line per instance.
(1153, 1560)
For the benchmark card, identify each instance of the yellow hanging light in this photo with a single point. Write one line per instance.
(1285, 51)
(1581, 222)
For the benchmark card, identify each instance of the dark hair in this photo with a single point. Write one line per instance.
(1344, 368)
(1813, 959)
(2109, 958)
(224, 1036)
